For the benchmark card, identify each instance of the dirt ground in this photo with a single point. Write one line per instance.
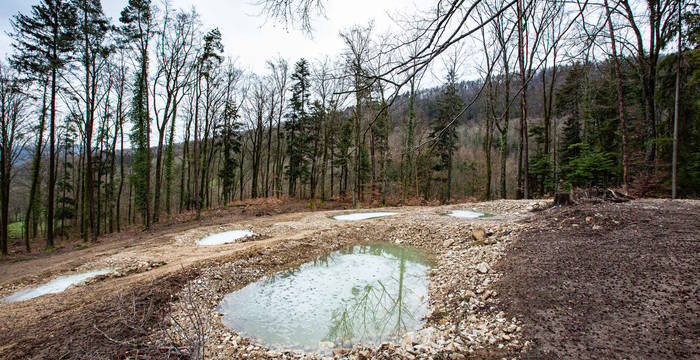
(608, 281)
(590, 281)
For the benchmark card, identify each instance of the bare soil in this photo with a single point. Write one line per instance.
(608, 281)
(588, 281)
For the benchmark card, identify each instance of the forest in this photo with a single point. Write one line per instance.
(112, 122)
(333, 179)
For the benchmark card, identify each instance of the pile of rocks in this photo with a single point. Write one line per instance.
(464, 319)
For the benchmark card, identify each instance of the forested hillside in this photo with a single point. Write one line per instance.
(108, 123)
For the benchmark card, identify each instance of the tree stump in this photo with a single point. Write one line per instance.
(562, 199)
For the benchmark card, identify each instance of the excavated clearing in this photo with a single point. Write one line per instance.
(490, 288)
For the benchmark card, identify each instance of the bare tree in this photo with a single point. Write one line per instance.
(620, 102)
(175, 51)
(279, 71)
(661, 25)
(293, 13)
(357, 41)
(12, 141)
(255, 111)
(674, 160)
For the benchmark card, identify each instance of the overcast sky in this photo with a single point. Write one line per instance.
(248, 36)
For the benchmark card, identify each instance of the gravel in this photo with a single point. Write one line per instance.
(463, 319)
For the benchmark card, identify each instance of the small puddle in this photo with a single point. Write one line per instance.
(363, 216)
(367, 294)
(54, 286)
(465, 214)
(224, 237)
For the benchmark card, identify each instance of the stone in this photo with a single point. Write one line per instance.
(483, 267)
(479, 235)
(409, 339)
(426, 335)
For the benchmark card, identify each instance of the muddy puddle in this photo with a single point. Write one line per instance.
(363, 216)
(226, 237)
(466, 214)
(365, 294)
(54, 286)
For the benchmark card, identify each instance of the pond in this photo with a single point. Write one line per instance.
(363, 216)
(224, 237)
(465, 214)
(54, 286)
(367, 294)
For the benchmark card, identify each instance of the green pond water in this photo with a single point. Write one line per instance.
(367, 294)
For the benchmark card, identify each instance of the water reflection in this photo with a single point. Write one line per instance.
(375, 312)
(365, 294)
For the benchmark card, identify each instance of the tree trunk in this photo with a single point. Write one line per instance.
(620, 102)
(674, 161)
(36, 168)
(159, 166)
(195, 149)
(144, 71)
(52, 158)
(523, 101)
(240, 172)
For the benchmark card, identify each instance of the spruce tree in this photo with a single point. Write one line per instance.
(569, 97)
(445, 136)
(298, 119)
(230, 137)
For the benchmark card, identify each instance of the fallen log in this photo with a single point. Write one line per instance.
(618, 197)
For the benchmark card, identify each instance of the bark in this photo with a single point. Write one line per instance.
(52, 146)
(523, 101)
(448, 192)
(121, 172)
(620, 102)
(100, 163)
(185, 164)
(324, 163)
(159, 160)
(144, 71)
(170, 161)
(113, 170)
(257, 145)
(408, 149)
(674, 161)
(269, 148)
(195, 148)
(36, 168)
(240, 172)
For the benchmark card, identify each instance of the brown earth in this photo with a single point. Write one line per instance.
(118, 316)
(589, 281)
(66, 325)
(608, 281)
